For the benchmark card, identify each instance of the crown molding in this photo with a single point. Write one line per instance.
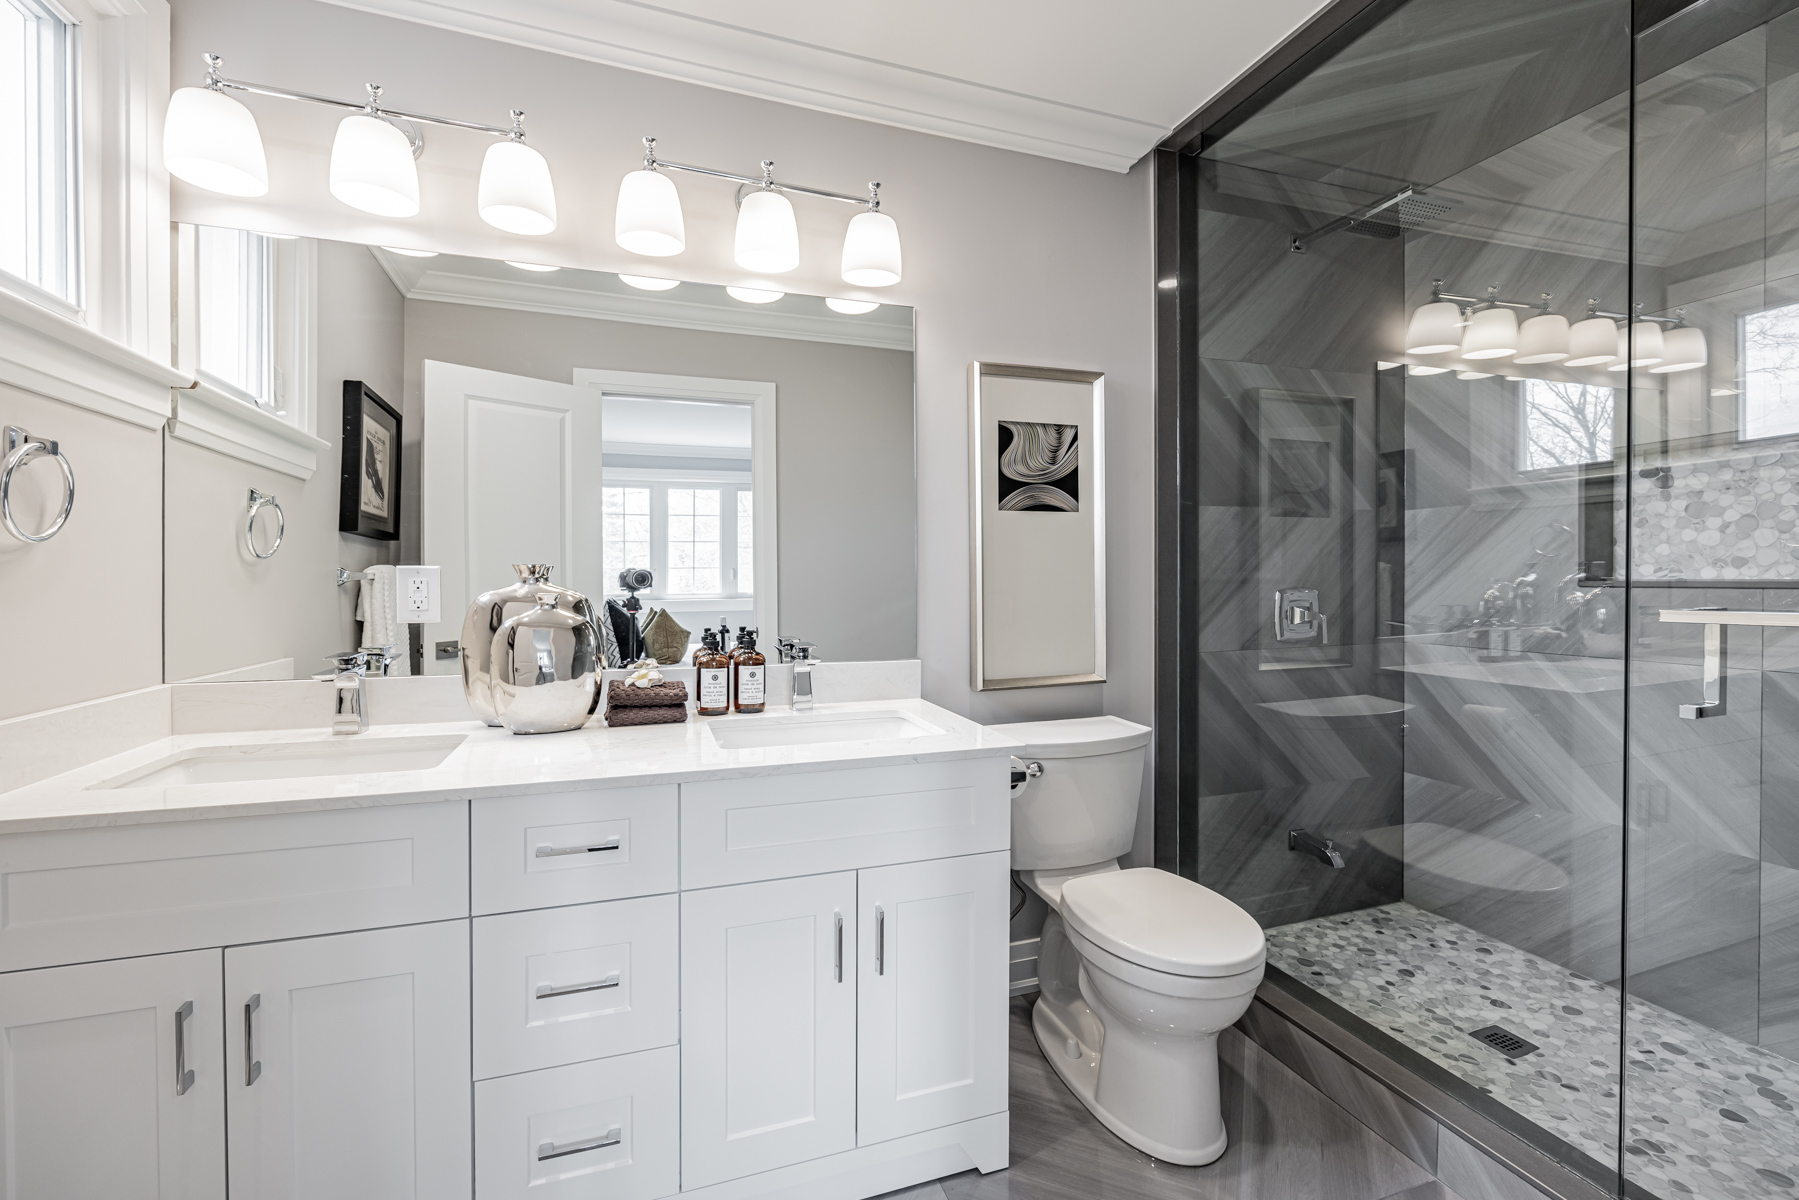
(640, 37)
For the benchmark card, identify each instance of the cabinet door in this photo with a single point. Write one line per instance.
(112, 1081)
(349, 1061)
(768, 1025)
(931, 1044)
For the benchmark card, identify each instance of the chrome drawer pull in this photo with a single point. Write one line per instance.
(837, 965)
(549, 1150)
(252, 1064)
(611, 843)
(546, 990)
(184, 1078)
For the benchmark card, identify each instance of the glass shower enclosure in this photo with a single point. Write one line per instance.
(1481, 561)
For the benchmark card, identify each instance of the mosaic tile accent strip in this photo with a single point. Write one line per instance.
(1732, 518)
(1709, 1116)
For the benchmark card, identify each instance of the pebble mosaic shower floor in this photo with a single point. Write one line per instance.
(1709, 1116)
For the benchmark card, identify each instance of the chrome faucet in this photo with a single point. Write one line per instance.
(1321, 848)
(802, 675)
(349, 679)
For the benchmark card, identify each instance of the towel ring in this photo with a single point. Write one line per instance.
(22, 448)
(258, 502)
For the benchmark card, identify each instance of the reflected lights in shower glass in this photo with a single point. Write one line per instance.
(1683, 349)
(1474, 374)
(1422, 369)
(1542, 339)
(648, 284)
(1491, 333)
(1592, 342)
(1639, 345)
(1435, 328)
(851, 308)
(753, 295)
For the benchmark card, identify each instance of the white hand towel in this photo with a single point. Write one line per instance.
(378, 608)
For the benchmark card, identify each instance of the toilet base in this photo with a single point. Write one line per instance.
(1055, 1026)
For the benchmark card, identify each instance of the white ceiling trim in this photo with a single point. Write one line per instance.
(639, 37)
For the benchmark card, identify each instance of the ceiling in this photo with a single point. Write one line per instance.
(1096, 84)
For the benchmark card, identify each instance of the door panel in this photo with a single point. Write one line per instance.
(354, 1084)
(90, 1103)
(768, 1026)
(931, 1042)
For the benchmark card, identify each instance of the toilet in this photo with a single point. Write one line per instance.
(1139, 969)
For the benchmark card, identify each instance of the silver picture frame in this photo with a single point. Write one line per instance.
(1038, 536)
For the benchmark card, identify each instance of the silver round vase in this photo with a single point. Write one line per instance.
(545, 663)
(491, 610)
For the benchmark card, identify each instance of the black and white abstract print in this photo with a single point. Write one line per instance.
(1039, 467)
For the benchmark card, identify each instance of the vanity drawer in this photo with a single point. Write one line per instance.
(530, 1130)
(573, 847)
(74, 895)
(611, 971)
(774, 826)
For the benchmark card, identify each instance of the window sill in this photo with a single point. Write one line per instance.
(206, 416)
(52, 355)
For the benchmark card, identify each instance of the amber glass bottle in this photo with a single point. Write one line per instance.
(750, 672)
(712, 676)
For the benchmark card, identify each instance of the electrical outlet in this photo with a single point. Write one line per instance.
(421, 594)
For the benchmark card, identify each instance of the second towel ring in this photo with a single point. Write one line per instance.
(258, 502)
(21, 447)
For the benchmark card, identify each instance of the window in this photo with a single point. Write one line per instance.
(235, 285)
(692, 542)
(1770, 358)
(1564, 424)
(746, 542)
(39, 196)
(627, 530)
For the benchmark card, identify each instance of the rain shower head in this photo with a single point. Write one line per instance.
(1387, 218)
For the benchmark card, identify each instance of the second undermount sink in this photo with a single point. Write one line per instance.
(289, 760)
(807, 729)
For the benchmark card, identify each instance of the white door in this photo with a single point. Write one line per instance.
(349, 1066)
(931, 1045)
(112, 1081)
(511, 474)
(768, 1025)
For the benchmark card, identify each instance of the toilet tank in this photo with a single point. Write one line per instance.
(1083, 808)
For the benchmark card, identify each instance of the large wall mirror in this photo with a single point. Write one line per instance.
(754, 455)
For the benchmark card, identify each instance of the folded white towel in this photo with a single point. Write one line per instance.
(378, 608)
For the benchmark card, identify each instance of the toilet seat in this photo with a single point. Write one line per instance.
(1160, 921)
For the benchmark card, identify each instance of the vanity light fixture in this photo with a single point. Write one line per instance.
(525, 266)
(1422, 369)
(1491, 333)
(1435, 328)
(648, 284)
(649, 222)
(403, 251)
(1592, 343)
(851, 308)
(1542, 339)
(211, 141)
(753, 295)
(1487, 328)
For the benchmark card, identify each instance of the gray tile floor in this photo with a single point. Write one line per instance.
(1288, 1142)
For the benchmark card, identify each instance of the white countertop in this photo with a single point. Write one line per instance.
(491, 762)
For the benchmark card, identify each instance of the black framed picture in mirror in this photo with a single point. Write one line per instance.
(369, 502)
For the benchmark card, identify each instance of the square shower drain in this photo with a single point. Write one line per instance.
(1504, 1041)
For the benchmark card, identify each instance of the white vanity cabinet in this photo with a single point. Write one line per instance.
(112, 1081)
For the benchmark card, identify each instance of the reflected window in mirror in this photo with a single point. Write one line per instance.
(1770, 358)
(1564, 424)
(697, 537)
(235, 296)
(39, 205)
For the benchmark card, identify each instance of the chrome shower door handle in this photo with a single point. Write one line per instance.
(184, 1076)
(252, 1065)
(1712, 677)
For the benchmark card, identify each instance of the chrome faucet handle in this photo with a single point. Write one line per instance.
(349, 660)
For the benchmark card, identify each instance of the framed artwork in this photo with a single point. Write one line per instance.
(369, 498)
(1039, 552)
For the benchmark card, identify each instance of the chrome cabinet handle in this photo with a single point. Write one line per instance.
(252, 1066)
(839, 961)
(549, 1150)
(546, 990)
(547, 851)
(184, 1078)
(880, 941)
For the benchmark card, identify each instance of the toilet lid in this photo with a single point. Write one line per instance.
(1164, 922)
(1078, 737)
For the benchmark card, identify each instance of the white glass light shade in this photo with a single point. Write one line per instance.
(211, 141)
(871, 251)
(648, 284)
(851, 308)
(1474, 374)
(525, 266)
(1683, 349)
(649, 215)
(1491, 333)
(1434, 329)
(372, 168)
(1421, 369)
(768, 238)
(753, 295)
(516, 194)
(1639, 345)
(1592, 342)
(410, 253)
(1542, 339)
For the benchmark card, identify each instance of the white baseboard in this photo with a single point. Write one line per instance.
(1023, 974)
(981, 1144)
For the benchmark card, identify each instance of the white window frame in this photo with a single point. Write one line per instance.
(60, 190)
(760, 396)
(728, 484)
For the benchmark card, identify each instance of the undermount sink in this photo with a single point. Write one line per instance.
(289, 760)
(807, 729)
